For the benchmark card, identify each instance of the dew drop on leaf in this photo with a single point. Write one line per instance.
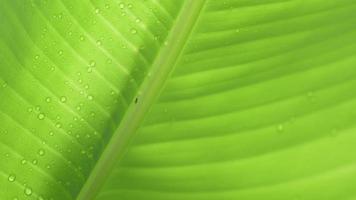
(133, 31)
(28, 191)
(58, 125)
(92, 63)
(280, 128)
(63, 99)
(41, 152)
(11, 178)
(41, 116)
(29, 110)
(23, 161)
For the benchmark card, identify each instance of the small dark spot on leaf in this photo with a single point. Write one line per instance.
(136, 99)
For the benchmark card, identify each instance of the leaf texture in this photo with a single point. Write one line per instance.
(260, 106)
(241, 99)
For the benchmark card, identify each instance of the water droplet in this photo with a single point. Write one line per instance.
(28, 191)
(137, 20)
(97, 11)
(51, 133)
(41, 152)
(107, 6)
(41, 116)
(133, 31)
(90, 70)
(48, 99)
(58, 125)
(23, 161)
(129, 5)
(92, 63)
(280, 127)
(12, 177)
(122, 5)
(63, 99)
(98, 42)
(34, 161)
(81, 38)
(60, 52)
(90, 97)
(37, 57)
(30, 110)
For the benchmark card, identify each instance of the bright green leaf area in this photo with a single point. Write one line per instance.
(177, 100)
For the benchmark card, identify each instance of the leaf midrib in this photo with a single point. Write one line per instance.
(149, 90)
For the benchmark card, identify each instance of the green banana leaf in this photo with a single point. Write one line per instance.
(177, 100)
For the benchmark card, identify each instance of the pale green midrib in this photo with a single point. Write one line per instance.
(150, 89)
